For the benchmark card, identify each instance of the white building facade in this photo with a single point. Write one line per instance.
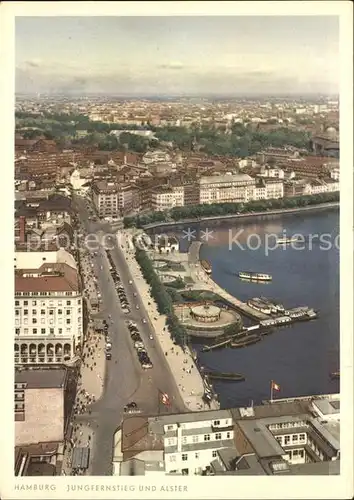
(167, 199)
(105, 199)
(226, 189)
(48, 315)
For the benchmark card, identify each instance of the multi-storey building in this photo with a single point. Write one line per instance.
(48, 314)
(226, 188)
(274, 188)
(105, 198)
(289, 436)
(167, 198)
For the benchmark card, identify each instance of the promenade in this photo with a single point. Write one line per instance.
(182, 366)
(91, 376)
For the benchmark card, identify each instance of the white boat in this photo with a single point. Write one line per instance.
(286, 241)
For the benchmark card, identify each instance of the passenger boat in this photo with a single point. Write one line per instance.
(259, 305)
(206, 266)
(286, 241)
(252, 276)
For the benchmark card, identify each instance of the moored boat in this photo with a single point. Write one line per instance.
(246, 342)
(206, 266)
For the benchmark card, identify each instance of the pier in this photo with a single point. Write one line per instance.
(199, 275)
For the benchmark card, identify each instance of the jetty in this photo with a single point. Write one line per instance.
(199, 275)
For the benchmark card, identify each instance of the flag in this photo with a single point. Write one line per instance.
(165, 400)
(275, 386)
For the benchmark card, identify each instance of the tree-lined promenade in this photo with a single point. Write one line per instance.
(198, 212)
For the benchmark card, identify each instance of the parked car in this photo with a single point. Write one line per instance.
(108, 355)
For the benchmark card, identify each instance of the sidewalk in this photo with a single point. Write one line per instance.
(89, 389)
(184, 370)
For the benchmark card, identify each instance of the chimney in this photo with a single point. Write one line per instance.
(125, 159)
(22, 229)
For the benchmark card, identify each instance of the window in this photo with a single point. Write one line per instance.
(218, 435)
(184, 440)
(197, 455)
(301, 453)
(68, 311)
(17, 331)
(172, 458)
(59, 303)
(195, 439)
(42, 311)
(25, 312)
(279, 439)
(68, 302)
(170, 441)
(17, 312)
(43, 321)
(216, 422)
(79, 310)
(25, 331)
(51, 312)
(228, 435)
(286, 439)
(295, 453)
(34, 312)
(60, 311)
(34, 302)
(302, 437)
(68, 321)
(214, 454)
(295, 438)
(206, 437)
(25, 302)
(51, 331)
(34, 331)
(34, 320)
(43, 331)
(60, 330)
(17, 302)
(184, 457)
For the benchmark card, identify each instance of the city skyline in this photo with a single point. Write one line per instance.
(226, 55)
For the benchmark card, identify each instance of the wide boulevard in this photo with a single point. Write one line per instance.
(125, 380)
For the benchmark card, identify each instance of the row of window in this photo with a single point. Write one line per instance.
(296, 454)
(43, 311)
(195, 439)
(173, 458)
(288, 425)
(43, 303)
(44, 294)
(293, 439)
(44, 331)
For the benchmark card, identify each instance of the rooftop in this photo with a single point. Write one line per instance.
(50, 277)
(211, 179)
(41, 378)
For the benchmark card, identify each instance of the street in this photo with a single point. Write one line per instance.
(125, 380)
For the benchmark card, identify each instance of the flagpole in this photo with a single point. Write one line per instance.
(271, 391)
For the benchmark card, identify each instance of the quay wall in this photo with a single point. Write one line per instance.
(231, 217)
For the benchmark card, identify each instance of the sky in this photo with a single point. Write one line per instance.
(226, 55)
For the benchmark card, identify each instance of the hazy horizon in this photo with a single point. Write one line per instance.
(178, 56)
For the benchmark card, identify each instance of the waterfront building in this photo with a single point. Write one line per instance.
(167, 198)
(48, 312)
(226, 188)
(288, 436)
